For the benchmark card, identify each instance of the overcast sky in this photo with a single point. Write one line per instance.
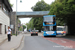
(25, 6)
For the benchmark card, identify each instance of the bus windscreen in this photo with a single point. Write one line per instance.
(49, 28)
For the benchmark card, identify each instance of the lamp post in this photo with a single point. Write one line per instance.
(21, 1)
(16, 23)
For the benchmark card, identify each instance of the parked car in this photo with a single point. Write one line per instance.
(34, 32)
(41, 31)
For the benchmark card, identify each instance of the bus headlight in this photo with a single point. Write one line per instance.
(62, 32)
(46, 32)
(54, 32)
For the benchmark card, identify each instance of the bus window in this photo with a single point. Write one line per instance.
(53, 20)
(49, 28)
(49, 20)
(60, 29)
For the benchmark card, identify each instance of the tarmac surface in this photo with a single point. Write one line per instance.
(47, 43)
(24, 41)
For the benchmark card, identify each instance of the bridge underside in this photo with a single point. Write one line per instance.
(32, 14)
(28, 16)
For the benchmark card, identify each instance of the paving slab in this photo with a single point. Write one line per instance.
(14, 43)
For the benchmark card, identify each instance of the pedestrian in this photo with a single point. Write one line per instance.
(9, 33)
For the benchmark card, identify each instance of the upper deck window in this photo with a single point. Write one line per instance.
(49, 20)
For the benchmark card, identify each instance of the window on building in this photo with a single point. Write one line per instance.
(0, 28)
(5, 29)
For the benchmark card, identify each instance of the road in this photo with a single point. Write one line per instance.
(44, 43)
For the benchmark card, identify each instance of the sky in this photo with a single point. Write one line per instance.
(25, 6)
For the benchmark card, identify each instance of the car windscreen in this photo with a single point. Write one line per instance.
(34, 31)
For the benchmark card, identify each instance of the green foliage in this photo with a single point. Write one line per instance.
(10, 3)
(21, 28)
(65, 13)
(38, 21)
(19, 21)
(63, 9)
(24, 27)
(41, 6)
(30, 24)
(13, 34)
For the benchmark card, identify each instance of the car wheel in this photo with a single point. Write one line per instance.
(45, 36)
(37, 34)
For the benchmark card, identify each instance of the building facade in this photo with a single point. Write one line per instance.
(5, 15)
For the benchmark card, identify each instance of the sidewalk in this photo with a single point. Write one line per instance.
(3, 38)
(14, 43)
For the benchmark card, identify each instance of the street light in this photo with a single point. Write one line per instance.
(21, 1)
(16, 17)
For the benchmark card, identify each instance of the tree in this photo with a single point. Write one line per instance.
(38, 23)
(30, 25)
(64, 10)
(21, 28)
(19, 21)
(39, 6)
(10, 3)
(24, 27)
(19, 25)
